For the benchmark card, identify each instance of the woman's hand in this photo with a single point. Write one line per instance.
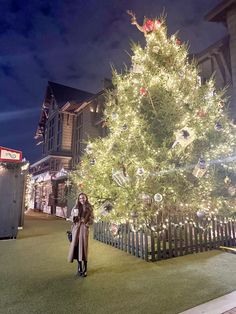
(75, 219)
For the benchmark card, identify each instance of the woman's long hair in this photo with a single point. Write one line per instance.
(80, 206)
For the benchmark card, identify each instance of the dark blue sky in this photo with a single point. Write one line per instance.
(74, 43)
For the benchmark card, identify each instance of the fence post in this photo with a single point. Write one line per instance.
(146, 245)
(186, 238)
(214, 232)
(226, 234)
(175, 241)
(200, 239)
(128, 244)
(230, 237)
(181, 240)
(94, 231)
(164, 243)
(196, 228)
(103, 232)
(98, 229)
(132, 245)
(152, 246)
(125, 237)
(191, 237)
(218, 233)
(122, 237)
(205, 240)
(233, 232)
(170, 238)
(141, 245)
(159, 255)
(209, 238)
(137, 244)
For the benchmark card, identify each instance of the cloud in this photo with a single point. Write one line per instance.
(18, 114)
(74, 43)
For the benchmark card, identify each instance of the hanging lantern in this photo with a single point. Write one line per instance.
(184, 137)
(105, 208)
(120, 178)
(200, 169)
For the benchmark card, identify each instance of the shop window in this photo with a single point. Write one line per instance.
(61, 194)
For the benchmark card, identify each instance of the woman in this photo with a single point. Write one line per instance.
(80, 233)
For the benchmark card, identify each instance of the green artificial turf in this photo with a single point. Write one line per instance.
(35, 276)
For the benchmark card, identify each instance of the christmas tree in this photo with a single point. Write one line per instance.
(170, 147)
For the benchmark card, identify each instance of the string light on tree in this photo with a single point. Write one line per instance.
(167, 133)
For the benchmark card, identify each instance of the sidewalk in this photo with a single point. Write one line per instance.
(222, 305)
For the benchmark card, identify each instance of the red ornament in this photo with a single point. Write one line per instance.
(178, 41)
(143, 91)
(148, 26)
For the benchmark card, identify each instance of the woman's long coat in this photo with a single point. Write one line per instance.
(80, 236)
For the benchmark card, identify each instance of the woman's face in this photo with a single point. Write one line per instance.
(82, 199)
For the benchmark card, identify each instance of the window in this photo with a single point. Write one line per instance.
(79, 120)
(51, 133)
(79, 135)
(59, 131)
(61, 194)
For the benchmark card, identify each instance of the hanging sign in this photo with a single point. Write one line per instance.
(10, 155)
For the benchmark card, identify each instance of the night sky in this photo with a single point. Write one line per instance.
(74, 43)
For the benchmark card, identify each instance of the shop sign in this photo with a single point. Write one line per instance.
(10, 155)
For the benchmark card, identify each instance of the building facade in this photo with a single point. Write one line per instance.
(68, 118)
(220, 58)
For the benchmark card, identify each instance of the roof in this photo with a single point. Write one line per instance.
(218, 13)
(63, 94)
(223, 42)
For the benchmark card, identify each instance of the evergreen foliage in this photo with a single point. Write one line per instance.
(168, 134)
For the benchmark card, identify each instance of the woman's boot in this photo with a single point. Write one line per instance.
(80, 270)
(85, 269)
